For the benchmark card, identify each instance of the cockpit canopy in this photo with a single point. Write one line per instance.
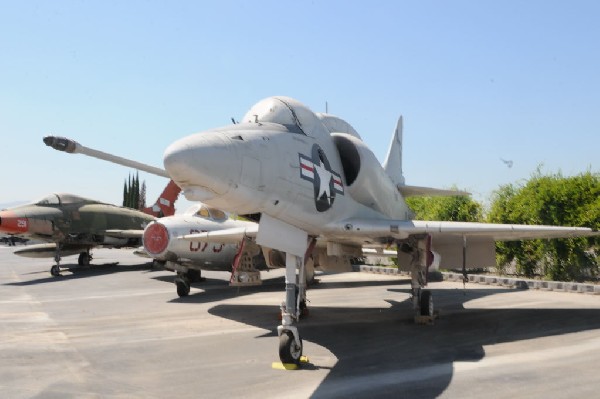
(296, 117)
(206, 212)
(63, 199)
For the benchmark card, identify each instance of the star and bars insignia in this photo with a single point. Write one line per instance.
(326, 182)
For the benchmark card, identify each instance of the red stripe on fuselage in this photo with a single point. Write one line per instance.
(12, 224)
(310, 169)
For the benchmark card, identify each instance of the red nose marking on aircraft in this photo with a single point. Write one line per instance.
(11, 223)
(156, 238)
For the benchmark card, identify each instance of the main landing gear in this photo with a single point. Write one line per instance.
(55, 270)
(421, 257)
(84, 260)
(184, 280)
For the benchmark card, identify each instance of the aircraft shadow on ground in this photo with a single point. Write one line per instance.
(74, 272)
(217, 289)
(382, 352)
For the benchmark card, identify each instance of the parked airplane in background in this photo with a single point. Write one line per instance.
(74, 225)
(71, 225)
(161, 238)
(162, 242)
(311, 176)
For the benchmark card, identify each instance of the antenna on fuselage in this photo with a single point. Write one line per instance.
(326, 107)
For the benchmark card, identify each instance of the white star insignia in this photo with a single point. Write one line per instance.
(325, 177)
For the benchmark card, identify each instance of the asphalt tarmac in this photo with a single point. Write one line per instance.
(120, 331)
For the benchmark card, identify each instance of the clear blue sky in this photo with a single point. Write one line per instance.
(476, 81)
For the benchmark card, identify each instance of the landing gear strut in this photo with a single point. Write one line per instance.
(55, 270)
(419, 249)
(294, 306)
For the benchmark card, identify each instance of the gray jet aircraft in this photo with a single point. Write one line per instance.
(309, 176)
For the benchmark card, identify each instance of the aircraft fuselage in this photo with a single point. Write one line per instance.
(283, 161)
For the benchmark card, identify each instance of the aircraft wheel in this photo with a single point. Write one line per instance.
(84, 259)
(55, 271)
(426, 303)
(289, 352)
(195, 276)
(183, 288)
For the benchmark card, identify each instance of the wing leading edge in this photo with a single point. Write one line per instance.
(358, 230)
(370, 228)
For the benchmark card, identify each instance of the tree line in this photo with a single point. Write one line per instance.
(550, 199)
(134, 194)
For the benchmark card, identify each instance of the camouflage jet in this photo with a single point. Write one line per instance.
(70, 225)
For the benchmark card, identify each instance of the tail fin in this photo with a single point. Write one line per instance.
(393, 160)
(393, 167)
(165, 204)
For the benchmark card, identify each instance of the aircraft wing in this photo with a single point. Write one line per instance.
(457, 243)
(367, 231)
(124, 233)
(412, 191)
(364, 230)
(48, 250)
(225, 236)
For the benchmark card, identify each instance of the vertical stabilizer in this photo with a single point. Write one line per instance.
(393, 161)
(165, 204)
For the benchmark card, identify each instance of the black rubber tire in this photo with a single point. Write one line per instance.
(426, 303)
(195, 276)
(183, 289)
(289, 352)
(55, 271)
(84, 259)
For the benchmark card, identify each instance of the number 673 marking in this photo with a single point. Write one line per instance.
(201, 246)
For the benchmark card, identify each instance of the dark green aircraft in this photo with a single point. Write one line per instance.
(71, 225)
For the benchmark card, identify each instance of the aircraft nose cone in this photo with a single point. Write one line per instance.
(205, 165)
(13, 224)
(156, 238)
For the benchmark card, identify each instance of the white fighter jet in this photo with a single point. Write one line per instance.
(308, 176)
(162, 241)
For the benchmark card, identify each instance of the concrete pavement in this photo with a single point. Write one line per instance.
(121, 331)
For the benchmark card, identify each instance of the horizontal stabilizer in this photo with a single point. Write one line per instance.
(46, 251)
(142, 252)
(412, 191)
(124, 233)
